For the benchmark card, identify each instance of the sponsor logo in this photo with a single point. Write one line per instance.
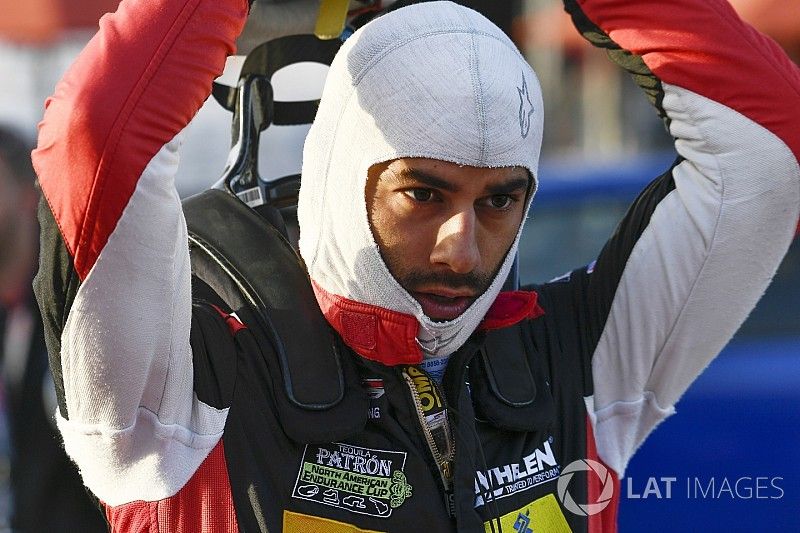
(373, 387)
(428, 395)
(523, 521)
(539, 466)
(301, 523)
(525, 108)
(360, 480)
(543, 514)
(593, 468)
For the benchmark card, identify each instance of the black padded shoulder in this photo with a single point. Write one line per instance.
(247, 262)
(509, 383)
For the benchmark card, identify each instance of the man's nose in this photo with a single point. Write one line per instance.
(456, 243)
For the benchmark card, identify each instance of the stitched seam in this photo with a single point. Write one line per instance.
(725, 16)
(175, 298)
(712, 241)
(479, 104)
(113, 432)
(121, 125)
(632, 406)
(451, 31)
(356, 81)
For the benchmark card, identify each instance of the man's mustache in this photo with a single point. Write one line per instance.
(476, 282)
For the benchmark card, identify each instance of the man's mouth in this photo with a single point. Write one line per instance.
(443, 304)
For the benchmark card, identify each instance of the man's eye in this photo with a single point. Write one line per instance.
(501, 201)
(420, 195)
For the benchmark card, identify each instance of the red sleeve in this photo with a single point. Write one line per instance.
(705, 47)
(135, 86)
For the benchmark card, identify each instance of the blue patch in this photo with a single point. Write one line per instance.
(522, 523)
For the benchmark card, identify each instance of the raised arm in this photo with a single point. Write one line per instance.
(114, 279)
(699, 246)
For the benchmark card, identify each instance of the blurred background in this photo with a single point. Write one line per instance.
(739, 424)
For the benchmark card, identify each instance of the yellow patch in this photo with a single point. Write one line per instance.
(540, 516)
(303, 523)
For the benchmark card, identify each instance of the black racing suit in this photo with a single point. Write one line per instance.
(181, 419)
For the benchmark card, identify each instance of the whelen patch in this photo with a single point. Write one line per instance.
(360, 480)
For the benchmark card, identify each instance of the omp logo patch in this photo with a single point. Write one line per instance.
(360, 480)
(428, 396)
(539, 466)
(543, 514)
(303, 523)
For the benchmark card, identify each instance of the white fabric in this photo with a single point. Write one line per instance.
(147, 461)
(621, 427)
(432, 80)
(710, 250)
(125, 353)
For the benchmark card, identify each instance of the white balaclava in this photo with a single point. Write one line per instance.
(434, 80)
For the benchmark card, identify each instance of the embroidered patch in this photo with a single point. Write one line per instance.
(373, 387)
(360, 329)
(537, 467)
(543, 514)
(302, 523)
(525, 108)
(360, 480)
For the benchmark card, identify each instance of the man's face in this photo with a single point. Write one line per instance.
(444, 229)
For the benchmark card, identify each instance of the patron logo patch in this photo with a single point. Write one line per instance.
(361, 480)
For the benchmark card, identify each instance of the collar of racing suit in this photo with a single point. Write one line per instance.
(390, 337)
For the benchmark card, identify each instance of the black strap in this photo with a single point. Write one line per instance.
(509, 381)
(254, 108)
(246, 261)
(267, 59)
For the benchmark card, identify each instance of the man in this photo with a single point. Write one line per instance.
(41, 476)
(212, 396)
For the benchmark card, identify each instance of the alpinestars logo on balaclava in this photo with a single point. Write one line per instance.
(433, 80)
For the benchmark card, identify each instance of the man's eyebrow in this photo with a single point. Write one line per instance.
(420, 176)
(513, 185)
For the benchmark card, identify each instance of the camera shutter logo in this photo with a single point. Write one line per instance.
(593, 468)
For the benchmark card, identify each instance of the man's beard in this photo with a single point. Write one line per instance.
(413, 280)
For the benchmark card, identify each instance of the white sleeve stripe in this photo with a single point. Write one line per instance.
(136, 428)
(707, 255)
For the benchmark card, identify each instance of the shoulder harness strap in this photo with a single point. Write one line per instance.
(254, 270)
(508, 378)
